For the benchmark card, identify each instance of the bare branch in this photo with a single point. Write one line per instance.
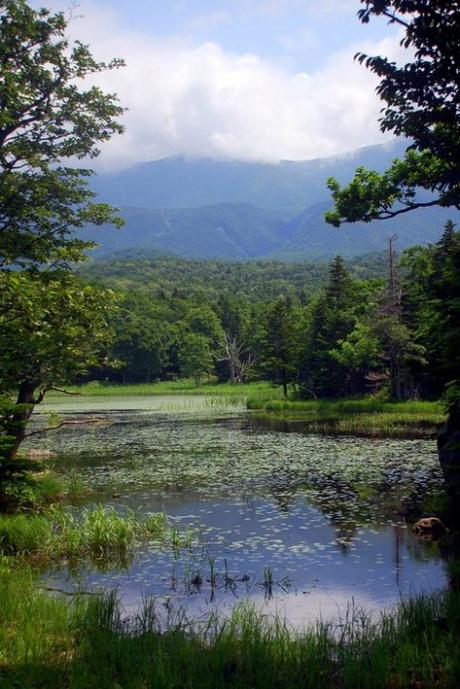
(40, 431)
(65, 392)
(385, 215)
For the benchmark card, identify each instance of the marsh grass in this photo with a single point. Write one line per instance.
(368, 417)
(34, 491)
(87, 642)
(180, 387)
(99, 532)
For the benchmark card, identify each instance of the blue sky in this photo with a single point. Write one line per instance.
(298, 33)
(256, 80)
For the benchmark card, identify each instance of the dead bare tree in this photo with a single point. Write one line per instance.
(239, 358)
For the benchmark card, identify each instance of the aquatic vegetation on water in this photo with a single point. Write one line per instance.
(323, 512)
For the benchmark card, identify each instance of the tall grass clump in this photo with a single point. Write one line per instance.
(98, 532)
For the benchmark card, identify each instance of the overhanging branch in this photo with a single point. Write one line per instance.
(40, 431)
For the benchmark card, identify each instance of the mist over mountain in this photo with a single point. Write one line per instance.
(286, 187)
(232, 210)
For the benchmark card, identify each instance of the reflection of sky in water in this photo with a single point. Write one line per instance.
(375, 567)
(320, 512)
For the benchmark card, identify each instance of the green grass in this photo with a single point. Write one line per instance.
(86, 642)
(371, 417)
(179, 387)
(36, 491)
(98, 532)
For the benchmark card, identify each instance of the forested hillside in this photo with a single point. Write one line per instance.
(251, 280)
(332, 330)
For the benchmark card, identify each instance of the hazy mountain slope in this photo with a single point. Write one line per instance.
(309, 235)
(238, 211)
(227, 230)
(241, 232)
(185, 183)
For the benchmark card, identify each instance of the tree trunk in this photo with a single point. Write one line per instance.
(449, 450)
(284, 379)
(17, 426)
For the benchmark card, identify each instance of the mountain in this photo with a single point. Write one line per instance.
(239, 211)
(232, 231)
(309, 235)
(286, 187)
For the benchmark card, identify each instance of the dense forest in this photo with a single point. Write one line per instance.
(330, 331)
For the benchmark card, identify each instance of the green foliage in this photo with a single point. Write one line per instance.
(45, 117)
(348, 337)
(432, 305)
(421, 103)
(331, 321)
(195, 357)
(53, 330)
(53, 326)
(420, 95)
(359, 351)
(279, 344)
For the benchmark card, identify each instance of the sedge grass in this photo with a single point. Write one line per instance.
(180, 387)
(86, 642)
(98, 532)
(371, 417)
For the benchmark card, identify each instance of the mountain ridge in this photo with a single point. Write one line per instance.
(256, 210)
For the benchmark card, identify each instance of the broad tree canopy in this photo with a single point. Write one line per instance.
(421, 103)
(47, 116)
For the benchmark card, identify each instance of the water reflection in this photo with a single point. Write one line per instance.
(300, 524)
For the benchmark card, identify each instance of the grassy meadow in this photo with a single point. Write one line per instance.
(366, 416)
(371, 417)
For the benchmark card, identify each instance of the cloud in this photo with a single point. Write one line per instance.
(200, 100)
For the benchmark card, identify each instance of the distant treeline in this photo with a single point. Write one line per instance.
(380, 322)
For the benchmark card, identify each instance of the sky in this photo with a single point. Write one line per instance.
(254, 80)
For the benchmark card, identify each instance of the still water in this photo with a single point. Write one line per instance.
(302, 525)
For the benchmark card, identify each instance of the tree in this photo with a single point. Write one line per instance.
(52, 326)
(196, 359)
(55, 331)
(46, 116)
(331, 321)
(279, 360)
(432, 305)
(141, 337)
(357, 354)
(422, 103)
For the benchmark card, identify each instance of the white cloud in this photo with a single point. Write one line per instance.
(198, 100)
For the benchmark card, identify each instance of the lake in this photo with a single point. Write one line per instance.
(302, 525)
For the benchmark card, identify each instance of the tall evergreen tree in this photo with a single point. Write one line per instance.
(279, 362)
(331, 321)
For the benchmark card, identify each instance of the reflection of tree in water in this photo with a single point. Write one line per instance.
(344, 533)
(284, 487)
